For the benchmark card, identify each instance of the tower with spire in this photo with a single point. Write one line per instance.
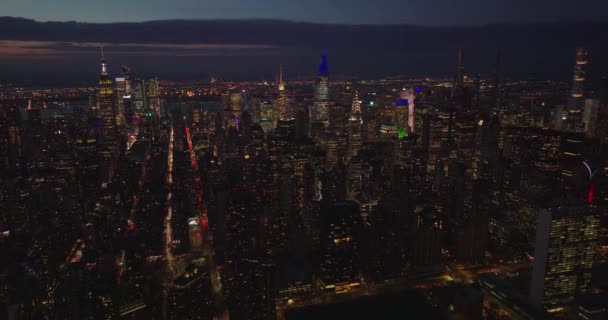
(107, 116)
(355, 126)
(282, 99)
(321, 101)
(281, 83)
(105, 100)
(105, 84)
(460, 75)
(460, 95)
(355, 108)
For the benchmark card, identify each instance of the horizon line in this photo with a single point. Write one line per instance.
(244, 19)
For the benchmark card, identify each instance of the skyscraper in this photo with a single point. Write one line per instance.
(233, 106)
(106, 105)
(152, 96)
(340, 232)
(282, 98)
(400, 118)
(139, 97)
(321, 102)
(576, 102)
(460, 77)
(126, 74)
(590, 115)
(566, 241)
(407, 102)
(354, 128)
(355, 111)
(120, 103)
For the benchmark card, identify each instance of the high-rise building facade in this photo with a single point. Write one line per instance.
(282, 99)
(321, 103)
(152, 95)
(566, 243)
(340, 231)
(120, 100)
(106, 105)
(576, 102)
(139, 97)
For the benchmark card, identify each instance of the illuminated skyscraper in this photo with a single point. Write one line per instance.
(400, 118)
(411, 107)
(355, 111)
(576, 102)
(354, 128)
(106, 106)
(139, 97)
(405, 112)
(126, 100)
(126, 74)
(267, 119)
(321, 102)
(566, 241)
(233, 106)
(282, 99)
(119, 96)
(152, 96)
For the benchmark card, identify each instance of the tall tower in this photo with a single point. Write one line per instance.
(106, 105)
(458, 88)
(355, 111)
(576, 102)
(496, 92)
(152, 95)
(354, 127)
(282, 99)
(566, 240)
(321, 103)
(323, 89)
(120, 90)
(126, 74)
(460, 74)
(409, 95)
(126, 100)
(281, 84)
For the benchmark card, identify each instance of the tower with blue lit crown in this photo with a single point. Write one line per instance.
(321, 101)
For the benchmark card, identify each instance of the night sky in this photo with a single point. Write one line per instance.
(418, 12)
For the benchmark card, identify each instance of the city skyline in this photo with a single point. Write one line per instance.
(266, 169)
